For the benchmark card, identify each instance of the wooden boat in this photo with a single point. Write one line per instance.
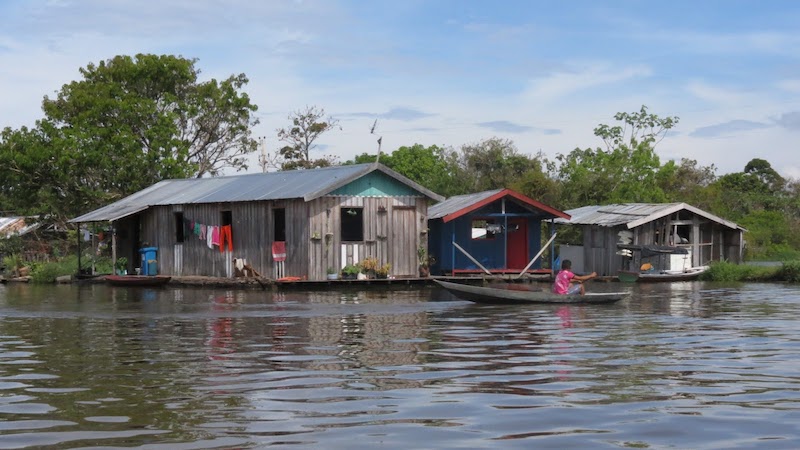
(137, 280)
(500, 295)
(689, 274)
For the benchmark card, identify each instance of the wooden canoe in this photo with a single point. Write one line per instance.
(501, 295)
(137, 280)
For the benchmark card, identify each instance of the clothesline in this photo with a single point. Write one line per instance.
(211, 234)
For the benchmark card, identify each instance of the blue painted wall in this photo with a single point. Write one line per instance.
(491, 253)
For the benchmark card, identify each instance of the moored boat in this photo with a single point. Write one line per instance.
(504, 295)
(137, 280)
(689, 274)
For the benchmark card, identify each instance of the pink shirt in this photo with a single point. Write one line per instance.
(561, 286)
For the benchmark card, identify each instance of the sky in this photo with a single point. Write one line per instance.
(543, 74)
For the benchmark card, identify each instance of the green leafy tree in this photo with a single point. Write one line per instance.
(688, 182)
(130, 122)
(153, 114)
(628, 170)
(429, 166)
(757, 188)
(307, 127)
(491, 164)
(770, 236)
(539, 183)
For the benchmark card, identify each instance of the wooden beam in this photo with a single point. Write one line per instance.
(470, 258)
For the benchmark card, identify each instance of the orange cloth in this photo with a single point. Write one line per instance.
(225, 235)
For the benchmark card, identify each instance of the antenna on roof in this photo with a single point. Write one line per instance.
(262, 159)
(372, 131)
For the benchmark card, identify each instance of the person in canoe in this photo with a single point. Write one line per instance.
(567, 283)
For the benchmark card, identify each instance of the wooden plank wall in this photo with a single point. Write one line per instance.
(382, 223)
(393, 229)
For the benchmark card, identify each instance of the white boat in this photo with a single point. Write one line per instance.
(689, 274)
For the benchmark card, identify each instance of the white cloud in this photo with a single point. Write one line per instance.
(561, 84)
(717, 95)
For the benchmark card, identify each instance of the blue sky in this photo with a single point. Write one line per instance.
(542, 74)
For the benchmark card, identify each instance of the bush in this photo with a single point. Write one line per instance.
(49, 271)
(726, 271)
(790, 271)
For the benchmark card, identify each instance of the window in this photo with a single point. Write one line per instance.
(279, 225)
(179, 227)
(485, 229)
(352, 221)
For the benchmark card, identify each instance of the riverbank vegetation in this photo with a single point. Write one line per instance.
(152, 116)
(788, 271)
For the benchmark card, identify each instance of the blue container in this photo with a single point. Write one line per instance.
(149, 265)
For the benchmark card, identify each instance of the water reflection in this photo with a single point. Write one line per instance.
(687, 365)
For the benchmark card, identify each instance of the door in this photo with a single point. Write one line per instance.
(517, 243)
(403, 245)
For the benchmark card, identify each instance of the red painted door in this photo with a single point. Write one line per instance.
(517, 243)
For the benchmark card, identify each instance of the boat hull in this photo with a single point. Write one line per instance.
(137, 280)
(492, 295)
(689, 275)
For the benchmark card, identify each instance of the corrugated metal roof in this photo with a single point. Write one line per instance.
(633, 214)
(458, 202)
(306, 184)
(15, 225)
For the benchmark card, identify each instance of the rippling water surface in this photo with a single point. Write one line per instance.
(686, 366)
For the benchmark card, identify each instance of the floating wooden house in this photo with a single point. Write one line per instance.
(609, 230)
(500, 230)
(294, 223)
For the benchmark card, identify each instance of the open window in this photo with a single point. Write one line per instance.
(485, 229)
(352, 220)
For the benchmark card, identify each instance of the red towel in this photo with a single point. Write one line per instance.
(279, 251)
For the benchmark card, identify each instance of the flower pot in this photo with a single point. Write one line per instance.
(333, 276)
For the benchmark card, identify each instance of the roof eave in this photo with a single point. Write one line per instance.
(499, 195)
(677, 207)
(369, 169)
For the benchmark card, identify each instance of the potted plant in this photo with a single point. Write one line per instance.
(383, 271)
(332, 274)
(350, 272)
(368, 266)
(121, 266)
(422, 258)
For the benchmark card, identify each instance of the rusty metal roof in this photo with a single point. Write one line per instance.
(306, 184)
(632, 215)
(17, 225)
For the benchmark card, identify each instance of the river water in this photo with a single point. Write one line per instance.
(685, 366)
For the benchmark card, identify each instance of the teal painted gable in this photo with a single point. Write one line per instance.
(375, 184)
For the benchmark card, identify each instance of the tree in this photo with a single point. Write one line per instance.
(688, 182)
(307, 126)
(150, 114)
(129, 123)
(491, 164)
(757, 188)
(628, 170)
(427, 166)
